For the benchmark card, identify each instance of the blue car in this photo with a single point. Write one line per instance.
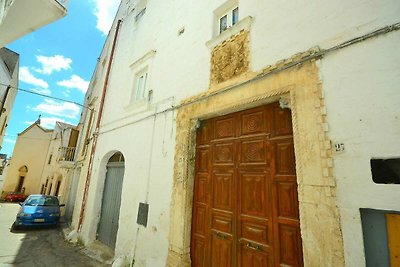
(38, 210)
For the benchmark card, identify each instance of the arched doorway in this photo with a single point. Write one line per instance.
(22, 174)
(111, 201)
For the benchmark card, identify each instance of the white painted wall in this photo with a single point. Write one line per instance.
(362, 93)
(147, 179)
(180, 68)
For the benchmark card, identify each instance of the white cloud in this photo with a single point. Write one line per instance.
(66, 93)
(54, 63)
(64, 110)
(49, 122)
(26, 76)
(42, 91)
(9, 140)
(75, 82)
(105, 11)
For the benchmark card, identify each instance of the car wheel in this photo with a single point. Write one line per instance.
(15, 227)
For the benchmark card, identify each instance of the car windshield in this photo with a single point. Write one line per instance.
(41, 201)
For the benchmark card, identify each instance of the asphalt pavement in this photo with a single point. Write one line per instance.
(39, 247)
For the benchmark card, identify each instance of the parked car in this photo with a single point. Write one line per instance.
(38, 210)
(15, 197)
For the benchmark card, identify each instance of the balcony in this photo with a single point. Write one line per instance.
(20, 17)
(66, 154)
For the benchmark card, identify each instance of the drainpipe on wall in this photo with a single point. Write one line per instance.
(95, 135)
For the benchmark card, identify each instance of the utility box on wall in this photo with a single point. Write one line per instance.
(381, 233)
(143, 214)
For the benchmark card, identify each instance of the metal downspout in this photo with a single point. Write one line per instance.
(95, 135)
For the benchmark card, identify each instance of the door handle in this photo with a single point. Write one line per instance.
(221, 235)
(253, 246)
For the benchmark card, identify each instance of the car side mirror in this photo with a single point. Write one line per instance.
(20, 203)
(62, 205)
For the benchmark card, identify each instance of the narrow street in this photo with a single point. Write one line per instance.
(36, 247)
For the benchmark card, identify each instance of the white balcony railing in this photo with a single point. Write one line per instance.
(66, 154)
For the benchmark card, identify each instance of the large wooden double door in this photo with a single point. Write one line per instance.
(245, 206)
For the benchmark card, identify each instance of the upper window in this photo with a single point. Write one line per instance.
(140, 94)
(228, 19)
(140, 85)
(139, 8)
(140, 14)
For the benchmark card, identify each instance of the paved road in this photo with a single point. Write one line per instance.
(36, 247)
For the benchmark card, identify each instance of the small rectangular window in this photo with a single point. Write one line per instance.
(50, 157)
(143, 214)
(140, 8)
(235, 16)
(140, 86)
(223, 23)
(140, 14)
(228, 18)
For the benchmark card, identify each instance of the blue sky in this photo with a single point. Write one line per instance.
(58, 60)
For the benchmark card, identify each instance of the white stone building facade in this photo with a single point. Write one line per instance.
(166, 71)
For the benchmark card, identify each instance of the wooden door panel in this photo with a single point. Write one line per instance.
(285, 161)
(202, 160)
(224, 127)
(200, 213)
(252, 194)
(288, 248)
(287, 205)
(251, 257)
(198, 249)
(254, 230)
(290, 245)
(222, 191)
(201, 188)
(253, 152)
(203, 136)
(245, 203)
(221, 251)
(282, 121)
(222, 222)
(252, 123)
(223, 153)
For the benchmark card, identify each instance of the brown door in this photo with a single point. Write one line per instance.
(20, 184)
(245, 207)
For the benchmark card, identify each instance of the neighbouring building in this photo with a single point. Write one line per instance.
(243, 133)
(9, 62)
(3, 169)
(29, 156)
(20, 17)
(57, 170)
(43, 161)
